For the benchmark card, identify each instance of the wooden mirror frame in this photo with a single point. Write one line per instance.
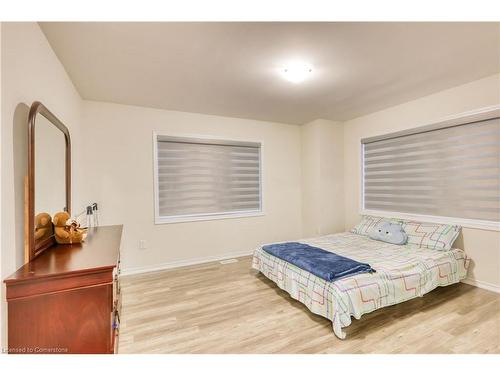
(36, 109)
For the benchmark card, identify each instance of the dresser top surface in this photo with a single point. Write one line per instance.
(99, 251)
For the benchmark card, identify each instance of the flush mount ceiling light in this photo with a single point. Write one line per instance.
(296, 72)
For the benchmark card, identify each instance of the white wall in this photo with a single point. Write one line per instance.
(322, 177)
(481, 245)
(30, 71)
(119, 176)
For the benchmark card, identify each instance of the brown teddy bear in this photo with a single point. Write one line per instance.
(43, 226)
(66, 234)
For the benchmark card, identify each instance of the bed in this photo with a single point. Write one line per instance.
(402, 272)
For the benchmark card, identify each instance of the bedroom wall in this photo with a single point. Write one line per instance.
(322, 177)
(30, 71)
(119, 175)
(481, 245)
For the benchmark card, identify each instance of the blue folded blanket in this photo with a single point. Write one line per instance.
(329, 266)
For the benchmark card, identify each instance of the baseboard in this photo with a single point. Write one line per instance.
(182, 263)
(483, 285)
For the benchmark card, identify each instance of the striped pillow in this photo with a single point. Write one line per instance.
(431, 235)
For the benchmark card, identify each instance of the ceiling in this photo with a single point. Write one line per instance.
(232, 69)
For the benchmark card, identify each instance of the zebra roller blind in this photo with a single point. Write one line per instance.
(202, 177)
(452, 172)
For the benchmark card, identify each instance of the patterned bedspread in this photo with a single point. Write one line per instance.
(403, 273)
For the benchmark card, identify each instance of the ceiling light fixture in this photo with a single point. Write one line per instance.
(296, 72)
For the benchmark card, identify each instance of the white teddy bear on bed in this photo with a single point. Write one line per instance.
(390, 233)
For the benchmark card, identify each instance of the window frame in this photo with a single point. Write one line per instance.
(482, 114)
(158, 220)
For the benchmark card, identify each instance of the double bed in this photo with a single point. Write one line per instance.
(402, 272)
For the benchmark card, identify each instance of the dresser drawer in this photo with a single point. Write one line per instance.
(116, 311)
(117, 300)
(115, 330)
(116, 287)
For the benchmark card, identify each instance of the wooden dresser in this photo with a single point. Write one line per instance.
(67, 300)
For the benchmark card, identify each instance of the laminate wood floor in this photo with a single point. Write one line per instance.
(214, 308)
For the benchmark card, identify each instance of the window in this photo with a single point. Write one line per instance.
(450, 169)
(201, 179)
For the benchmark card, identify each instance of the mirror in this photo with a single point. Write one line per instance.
(50, 173)
(49, 176)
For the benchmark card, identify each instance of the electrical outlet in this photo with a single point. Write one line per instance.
(143, 244)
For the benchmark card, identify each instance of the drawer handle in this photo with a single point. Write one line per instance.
(116, 320)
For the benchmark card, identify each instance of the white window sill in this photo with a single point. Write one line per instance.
(465, 223)
(207, 217)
